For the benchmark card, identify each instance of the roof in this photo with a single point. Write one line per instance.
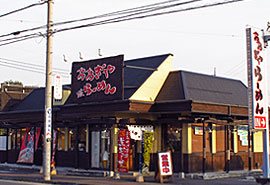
(138, 70)
(184, 85)
(34, 101)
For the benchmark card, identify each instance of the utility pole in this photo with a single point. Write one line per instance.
(266, 165)
(48, 98)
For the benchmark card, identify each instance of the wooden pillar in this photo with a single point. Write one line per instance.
(34, 151)
(7, 135)
(114, 135)
(76, 147)
(16, 139)
(249, 149)
(87, 139)
(204, 149)
(228, 153)
(89, 131)
(66, 139)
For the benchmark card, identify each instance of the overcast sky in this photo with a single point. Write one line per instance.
(200, 40)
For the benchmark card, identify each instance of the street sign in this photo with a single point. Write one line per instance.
(58, 90)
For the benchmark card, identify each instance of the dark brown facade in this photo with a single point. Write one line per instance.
(202, 119)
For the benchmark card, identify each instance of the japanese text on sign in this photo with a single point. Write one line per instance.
(95, 74)
(123, 150)
(165, 163)
(257, 79)
(97, 80)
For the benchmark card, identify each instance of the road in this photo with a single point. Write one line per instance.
(94, 181)
(12, 182)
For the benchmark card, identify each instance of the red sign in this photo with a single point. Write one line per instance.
(27, 149)
(97, 80)
(260, 122)
(123, 150)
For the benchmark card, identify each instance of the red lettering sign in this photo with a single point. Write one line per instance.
(260, 121)
(97, 80)
(123, 150)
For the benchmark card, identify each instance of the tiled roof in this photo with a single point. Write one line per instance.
(34, 101)
(136, 71)
(184, 85)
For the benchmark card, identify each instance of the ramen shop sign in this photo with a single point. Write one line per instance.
(257, 67)
(97, 80)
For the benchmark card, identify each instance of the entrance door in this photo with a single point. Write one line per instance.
(100, 149)
(174, 144)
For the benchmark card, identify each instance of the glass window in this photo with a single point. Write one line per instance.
(61, 139)
(174, 138)
(71, 139)
(12, 139)
(19, 134)
(82, 138)
(3, 132)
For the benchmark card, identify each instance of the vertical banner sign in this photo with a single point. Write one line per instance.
(165, 163)
(147, 148)
(48, 126)
(54, 148)
(97, 80)
(27, 149)
(123, 150)
(58, 89)
(257, 79)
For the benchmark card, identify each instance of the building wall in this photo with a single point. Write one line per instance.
(218, 140)
(12, 91)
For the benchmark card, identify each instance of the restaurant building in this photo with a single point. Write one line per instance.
(202, 119)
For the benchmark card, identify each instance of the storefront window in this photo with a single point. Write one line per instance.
(12, 139)
(71, 139)
(18, 147)
(100, 147)
(3, 132)
(3, 139)
(82, 138)
(174, 138)
(61, 139)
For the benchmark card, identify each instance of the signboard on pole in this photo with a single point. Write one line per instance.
(58, 89)
(257, 79)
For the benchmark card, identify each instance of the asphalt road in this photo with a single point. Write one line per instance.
(105, 181)
(12, 182)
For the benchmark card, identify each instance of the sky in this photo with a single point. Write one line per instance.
(203, 40)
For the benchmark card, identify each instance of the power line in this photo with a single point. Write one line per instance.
(121, 12)
(131, 10)
(128, 17)
(125, 18)
(40, 69)
(30, 64)
(21, 9)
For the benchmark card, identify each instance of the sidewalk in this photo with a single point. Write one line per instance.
(71, 176)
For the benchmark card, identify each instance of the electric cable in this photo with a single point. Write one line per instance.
(23, 8)
(125, 18)
(30, 64)
(129, 17)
